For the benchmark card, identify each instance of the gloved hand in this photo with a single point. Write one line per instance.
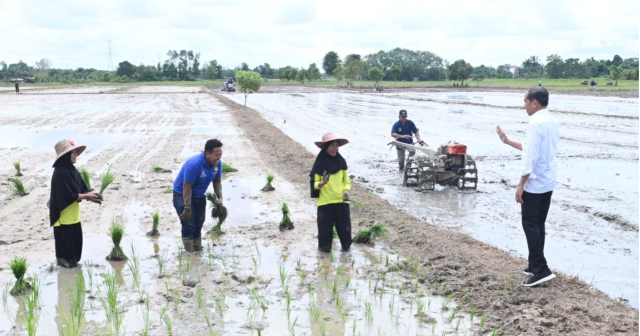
(345, 196)
(186, 214)
(422, 143)
(325, 177)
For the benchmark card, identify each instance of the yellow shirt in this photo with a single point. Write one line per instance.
(333, 191)
(70, 215)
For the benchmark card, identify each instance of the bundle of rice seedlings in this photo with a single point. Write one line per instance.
(157, 169)
(218, 212)
(286, 223)
(335, 233)
(168, 191)
(16, 165)
(86, 177)
(116, 232)
(268, 186)
(17, 188)
(107, 178)
(19, 267)
(154, 230)
(368, 236)
(357, 203)
(227, 168)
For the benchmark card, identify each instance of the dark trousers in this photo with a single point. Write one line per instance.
(401, 156)
(331, 214)
(193, 227)
(534, 214)
(68, 243)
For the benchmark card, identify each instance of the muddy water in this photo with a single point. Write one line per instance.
(592, 229)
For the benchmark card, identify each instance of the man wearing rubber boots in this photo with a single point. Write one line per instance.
(537, 179)
(189, 189)
(403, 131)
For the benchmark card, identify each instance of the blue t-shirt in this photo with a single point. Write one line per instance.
(197, 172)
(409, 128)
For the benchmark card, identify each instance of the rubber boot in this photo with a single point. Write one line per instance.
(197, 244)
(188, 244)
(65, 263)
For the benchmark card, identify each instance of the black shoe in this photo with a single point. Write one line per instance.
(527, 271)
(538, 279)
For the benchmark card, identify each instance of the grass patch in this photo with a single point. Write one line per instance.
(106, 179)
(17, 188)
(168, 191)
(268, 186)
(368, 236)
(18, 267)
(86, 177)
(228, 169)
(116, 232)
(154, 229)
(157, 169)
(286, 223)
(16, 165)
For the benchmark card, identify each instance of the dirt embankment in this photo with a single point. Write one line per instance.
(488, 276)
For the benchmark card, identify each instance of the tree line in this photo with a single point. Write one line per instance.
(396, 64)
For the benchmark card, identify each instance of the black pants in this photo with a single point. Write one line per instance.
(534, 214)
(331, 214)
(17, 89)
(68, 243)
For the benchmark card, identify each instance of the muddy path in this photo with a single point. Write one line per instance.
(487, 276)
(252, 278)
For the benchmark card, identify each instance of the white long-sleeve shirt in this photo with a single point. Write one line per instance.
(539, 152)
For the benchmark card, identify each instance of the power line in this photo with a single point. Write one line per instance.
(110, 53)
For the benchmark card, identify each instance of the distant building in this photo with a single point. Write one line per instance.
(513, 69)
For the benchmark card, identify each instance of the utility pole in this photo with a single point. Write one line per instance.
(110, 54)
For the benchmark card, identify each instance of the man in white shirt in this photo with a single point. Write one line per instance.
(537, 180)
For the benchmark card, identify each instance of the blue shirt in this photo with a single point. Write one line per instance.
(197, 172)
(409, 128)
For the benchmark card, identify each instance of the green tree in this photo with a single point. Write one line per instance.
(126, 69)
(571, 67)
(555, 66)
(478, 77)
(375, 74)
(249, 82)
(354, 67)
(313, 73)
(338, 72)
(460, 70)
(301, 76)
(617, 60)
(211, 71)
(395, 73)
(244, 66)
(330, 62)
(615, 72)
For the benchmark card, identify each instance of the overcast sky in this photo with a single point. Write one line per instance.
(285, 32)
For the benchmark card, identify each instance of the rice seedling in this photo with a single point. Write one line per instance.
(169, 190)
(209, 324)
(433, 327)
(346, 283)
(368, 312)
(162, 259)
(483, 320)
(288, 299)
(458, 324)
(335, 233)
(73, 319)
(157, 169)
(89, 268)
(331, 257)
(31, 319)
(421, 307)
(86, 177)
(16, 165)
(17, 188)
(464, 298)
(495, 331)
(453, 314)
(314, 312)
(116, 232)
(446, 302)
(18, 266)
(334, 289)
(268, 186)
(5, 291)
(401, 289)
(168, 323)
(302, 277)
(176, 299)
(114, 313)
(133, 264)
(286, 223)
(154, 228)
(322, 327)
(340, 269)
(283, 274)
(473, 313)
(226, 168)
(293, 326)
(200, 297)
(368, 236)
(220, 300)
(415, 268)
(218, 212)
(106, 180)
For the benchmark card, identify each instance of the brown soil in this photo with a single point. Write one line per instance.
(487, 275)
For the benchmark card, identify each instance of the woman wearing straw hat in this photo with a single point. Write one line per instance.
(330, 185)
(67, 190)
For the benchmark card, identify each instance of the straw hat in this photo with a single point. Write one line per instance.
(331, 137)
(65, 146)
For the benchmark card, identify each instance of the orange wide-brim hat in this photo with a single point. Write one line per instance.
(329, 137)
(65, 146)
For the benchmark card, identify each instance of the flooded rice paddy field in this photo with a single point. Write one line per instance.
(253, 278)
(592, 227)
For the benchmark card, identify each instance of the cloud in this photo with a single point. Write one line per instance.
(297, 33)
